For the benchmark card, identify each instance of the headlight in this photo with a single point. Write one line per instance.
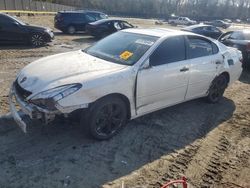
(48, 30)
(47, 99)
(58, 93)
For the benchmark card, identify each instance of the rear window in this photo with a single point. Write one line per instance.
(199, 47)
(71, 15)
(97, 16)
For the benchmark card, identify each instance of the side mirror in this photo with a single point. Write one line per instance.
(146, 65)
(16, 24)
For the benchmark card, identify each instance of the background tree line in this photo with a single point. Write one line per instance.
(196, 9)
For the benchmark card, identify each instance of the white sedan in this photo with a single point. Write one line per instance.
(123, 76)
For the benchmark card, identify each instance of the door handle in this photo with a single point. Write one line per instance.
(184, 69)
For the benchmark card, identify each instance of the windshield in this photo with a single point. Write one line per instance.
(122, 47)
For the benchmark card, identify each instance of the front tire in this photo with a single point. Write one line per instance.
(37, 40)
(106, 118)
(217, 89)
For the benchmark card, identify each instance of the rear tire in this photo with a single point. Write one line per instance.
(71, 30)
(217, 89)
(105, 118)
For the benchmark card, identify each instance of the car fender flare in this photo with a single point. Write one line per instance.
(119, 95)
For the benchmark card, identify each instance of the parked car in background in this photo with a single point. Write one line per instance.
(206, 30)
(240, 40)
(219, 23)
(123, 76)
(228, 20)
(238, 21)
(181, 21)
(14, 31)
(106, 27)
(73, 21)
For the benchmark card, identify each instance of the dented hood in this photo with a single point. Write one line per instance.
(65, 68)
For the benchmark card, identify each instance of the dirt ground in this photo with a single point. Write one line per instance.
(207, 143)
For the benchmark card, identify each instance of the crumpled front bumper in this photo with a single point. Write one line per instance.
(24, 107)
(28, 109)
(35, 112)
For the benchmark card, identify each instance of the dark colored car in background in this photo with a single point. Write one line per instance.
(73, 21)
(219, 23)
(206, 30)
(13, 31)
(239, 40)
(106, 27)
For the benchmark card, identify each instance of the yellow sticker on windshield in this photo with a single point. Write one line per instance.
(126, 55)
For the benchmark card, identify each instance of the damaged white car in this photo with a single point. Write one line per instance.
(124, 76)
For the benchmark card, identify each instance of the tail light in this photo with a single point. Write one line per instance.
(59, 18)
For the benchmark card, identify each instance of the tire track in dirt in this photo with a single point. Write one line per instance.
(216, 166)
(178, 167)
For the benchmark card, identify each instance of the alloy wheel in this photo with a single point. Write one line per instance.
(37, 40)
(109, 119)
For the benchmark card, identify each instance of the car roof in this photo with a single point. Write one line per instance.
(106, 20)
(81, 11)
(196, 26)
(159, 32)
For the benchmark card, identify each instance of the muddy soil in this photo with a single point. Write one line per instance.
(207, 143)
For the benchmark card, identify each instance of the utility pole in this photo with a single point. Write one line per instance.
(5, 5)
(22, 5)
(15, 4)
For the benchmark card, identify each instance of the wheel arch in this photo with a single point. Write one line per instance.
(32, 33)
(122, 97)
(227, 75)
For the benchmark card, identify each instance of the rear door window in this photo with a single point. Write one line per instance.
(125, 25)
(95, 16)
(90, 18)
(117, 25)
(74, 17)
(198, 47)
(170, 51)
(103, 16)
